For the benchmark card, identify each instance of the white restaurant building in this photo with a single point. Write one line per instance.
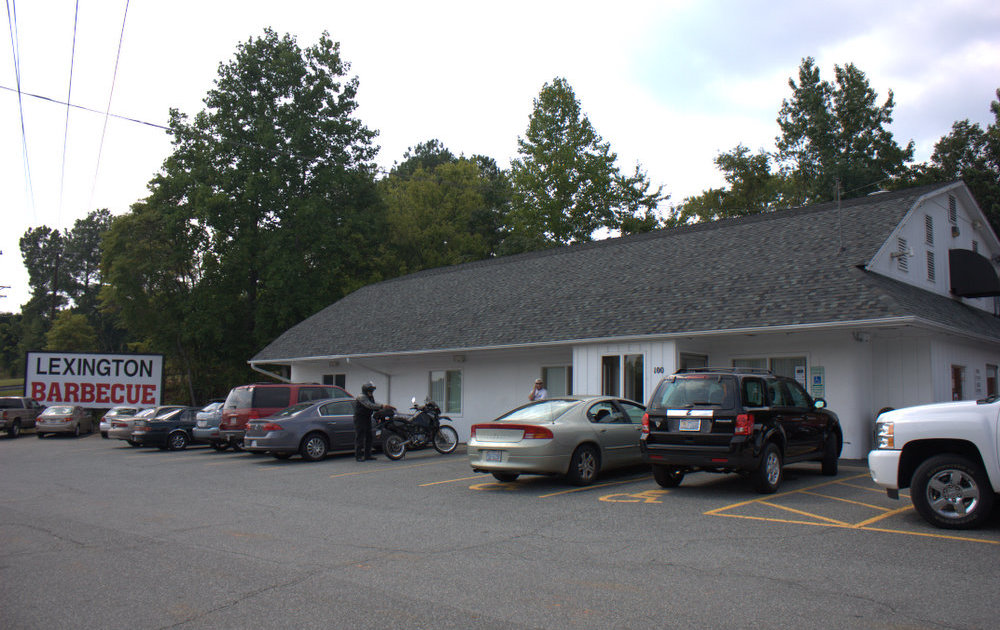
(882, 301)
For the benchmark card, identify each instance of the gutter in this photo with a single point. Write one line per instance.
(890, 322)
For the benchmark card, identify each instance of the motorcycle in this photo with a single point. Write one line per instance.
(400, 433)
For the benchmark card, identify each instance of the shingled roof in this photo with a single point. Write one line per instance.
(796, 267)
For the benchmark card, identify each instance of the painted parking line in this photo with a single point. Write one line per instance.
(376, 468)
(508, 486)
(773, 502)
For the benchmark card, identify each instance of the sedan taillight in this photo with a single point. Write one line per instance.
(272, 426)
(645, 424)
(536, 433)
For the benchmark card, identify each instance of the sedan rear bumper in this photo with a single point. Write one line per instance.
(513, 459)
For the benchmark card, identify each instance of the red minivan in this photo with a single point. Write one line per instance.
(260, 400)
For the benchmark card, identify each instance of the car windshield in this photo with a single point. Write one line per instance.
(123, 412)
(294, 409)
(708, 390)
(57, 411)
(146, 413)
(211, 407)
(543, 411)
(169, 415)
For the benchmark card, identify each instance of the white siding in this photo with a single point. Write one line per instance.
(970, 225)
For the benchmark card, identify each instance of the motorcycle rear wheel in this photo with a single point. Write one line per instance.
(394, 446)
(445, 440)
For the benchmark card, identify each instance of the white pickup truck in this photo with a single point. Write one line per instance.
(947, 454)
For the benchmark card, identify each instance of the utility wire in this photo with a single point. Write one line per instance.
(69, 94)
(86, 109)
(111, 94)
(16, 49)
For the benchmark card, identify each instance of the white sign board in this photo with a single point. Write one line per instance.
(94, 380)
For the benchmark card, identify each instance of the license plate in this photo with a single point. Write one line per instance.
(690, 424)
(492, 456)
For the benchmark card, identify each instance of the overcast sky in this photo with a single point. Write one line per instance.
(668, 84)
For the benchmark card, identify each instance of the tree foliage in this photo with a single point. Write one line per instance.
(71, 332)
(972, 154)
(753, 188)
(265, 212)
(566, 183)
(836, 133)
(441, 209)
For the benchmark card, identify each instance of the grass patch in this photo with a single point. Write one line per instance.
(11, 386)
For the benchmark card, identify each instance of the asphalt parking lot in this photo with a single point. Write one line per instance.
(99, 535)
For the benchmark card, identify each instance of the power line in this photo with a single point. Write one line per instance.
(16, 49)
(86, 109)
(114, 77)
(69, 93)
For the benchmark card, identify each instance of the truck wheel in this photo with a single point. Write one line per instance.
(951, 492)
(15, 430)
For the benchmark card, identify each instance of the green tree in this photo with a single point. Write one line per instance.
(11, 354)
(43, 253)
(836, 132)
(972, 154)
(753, 188)
(268, 205)
(71, 332)
(566, 184)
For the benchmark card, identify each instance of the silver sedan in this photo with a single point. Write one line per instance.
(575, 436)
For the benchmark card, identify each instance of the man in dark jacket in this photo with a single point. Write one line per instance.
(364, 407)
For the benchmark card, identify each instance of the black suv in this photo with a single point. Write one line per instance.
(736, 420)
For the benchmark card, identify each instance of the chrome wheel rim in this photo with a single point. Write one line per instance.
(177, 441)
(772, 468)
(952, 493)
(587, 467)
(315, 447)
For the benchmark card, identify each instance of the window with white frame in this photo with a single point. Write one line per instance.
(446, 389)
(558, 380)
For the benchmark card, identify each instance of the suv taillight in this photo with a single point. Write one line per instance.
(645, 424)
(744, 424)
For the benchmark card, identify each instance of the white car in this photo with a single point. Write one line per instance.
(116, 413)
(946, 454)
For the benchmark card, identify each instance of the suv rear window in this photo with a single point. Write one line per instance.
(269, 397)
(687, 391)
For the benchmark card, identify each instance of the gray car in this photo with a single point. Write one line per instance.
(311, 429)
(121, 428)
(206, 430)
(575, 436)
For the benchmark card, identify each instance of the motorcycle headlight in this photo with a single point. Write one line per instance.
(885, 435)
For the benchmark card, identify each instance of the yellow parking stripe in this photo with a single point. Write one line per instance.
(593, 487)
(800, 512)
(827, 496)
(881, 517)
(379, 469)
(434, 483)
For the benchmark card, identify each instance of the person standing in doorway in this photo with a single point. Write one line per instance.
(364, 407)
(538, 392)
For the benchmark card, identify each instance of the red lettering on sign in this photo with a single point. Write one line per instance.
(38, 390)
(86, 392)
(117, 397)
(70, 392)
(54, 395)
(148, 394)
(102, 393)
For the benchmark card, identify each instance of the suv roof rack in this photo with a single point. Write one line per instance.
(725, 370)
